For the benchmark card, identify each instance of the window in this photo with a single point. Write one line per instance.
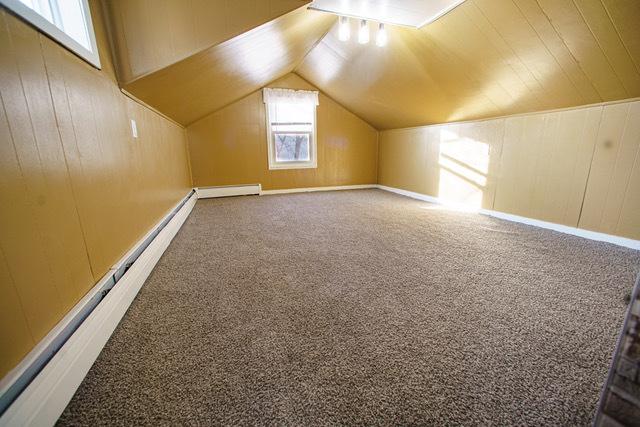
(66, 21)
(291, 128)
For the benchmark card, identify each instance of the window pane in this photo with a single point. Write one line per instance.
(292, 113)
(67, 15)
(66, 21)
(73, 22)
(291, 147)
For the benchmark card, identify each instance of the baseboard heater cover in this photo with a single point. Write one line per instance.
(314, 189)
(229, 190)
(40, 387)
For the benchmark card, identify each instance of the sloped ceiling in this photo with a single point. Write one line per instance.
(486, 58)
(149, 35)
(215, 77)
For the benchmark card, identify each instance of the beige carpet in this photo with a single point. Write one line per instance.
(362, 307)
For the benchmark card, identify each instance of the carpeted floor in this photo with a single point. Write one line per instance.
(362, 307)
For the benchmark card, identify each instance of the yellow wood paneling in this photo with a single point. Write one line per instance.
(611, 200)
(545, 163)
(455, 162)
(624, 14)
(220, 75)
(143, 43)
(230, 146)
(76, 190)
(32, 246)
(486, 58)
(603, 30)
(14, 331)
(577, 167)
(406, 160)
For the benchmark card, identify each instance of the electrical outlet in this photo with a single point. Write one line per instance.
(134, 129)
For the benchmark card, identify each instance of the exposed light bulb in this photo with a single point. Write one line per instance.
(381, 36)
(363, 34)
(344, 30)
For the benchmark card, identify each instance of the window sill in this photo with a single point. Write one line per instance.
(292, 165)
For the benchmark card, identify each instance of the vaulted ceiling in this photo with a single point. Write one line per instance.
(485, 58)
(205, 82)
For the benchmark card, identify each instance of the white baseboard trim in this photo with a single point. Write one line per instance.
(580, 232)
(228, 190)
(311, 189)
(46, 397)
(413, 195)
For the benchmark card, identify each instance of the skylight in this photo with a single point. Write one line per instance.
(411, 13)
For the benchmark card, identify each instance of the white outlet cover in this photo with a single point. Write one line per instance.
(134, 129)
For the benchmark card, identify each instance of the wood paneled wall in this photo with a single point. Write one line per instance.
(577, 167)
(76, 190)
(230, 146)
(150, 34)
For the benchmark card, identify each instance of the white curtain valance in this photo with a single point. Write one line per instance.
(290, 96)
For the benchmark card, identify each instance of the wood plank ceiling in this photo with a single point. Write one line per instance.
(149, 35)
(486, 58)
(215, 77)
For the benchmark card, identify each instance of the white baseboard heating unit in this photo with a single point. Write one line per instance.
(229, 190)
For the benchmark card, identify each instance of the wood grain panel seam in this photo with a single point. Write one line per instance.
(64, 154)
(577, 91)
(573, 174)
(524, 64)
(469, 74)
(15, 289)
(610, 178)
(615, 27)
(602, 49)
(593, 152)
(38, 227)
(564, 42)
(533, 91)
(313, 46)
(499, 168)
(636, 163)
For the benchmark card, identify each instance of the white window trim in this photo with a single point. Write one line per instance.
(313, 146)
(35, 19)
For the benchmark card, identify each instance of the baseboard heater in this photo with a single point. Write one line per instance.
(229, 190)
(22, 376)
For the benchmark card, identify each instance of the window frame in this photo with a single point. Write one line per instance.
(50, 29)
(274, 164)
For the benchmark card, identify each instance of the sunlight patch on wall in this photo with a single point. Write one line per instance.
(464, 165)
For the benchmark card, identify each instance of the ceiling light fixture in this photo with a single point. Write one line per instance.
(344, 31)
(363, 34)
(381, 36)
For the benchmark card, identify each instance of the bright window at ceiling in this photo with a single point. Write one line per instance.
(291, 128)
(66, 21)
